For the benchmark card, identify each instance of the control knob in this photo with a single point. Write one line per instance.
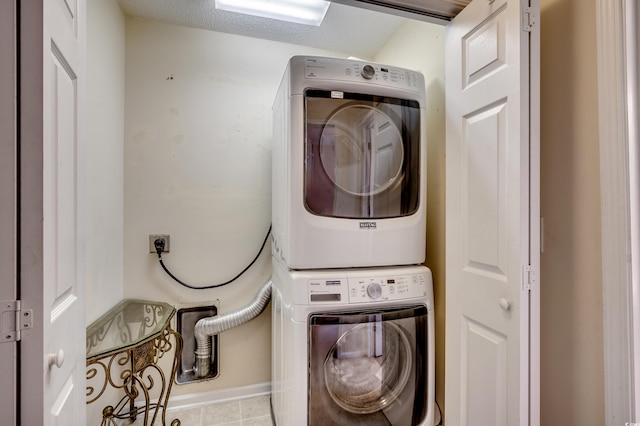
(374, 290)
(368, 72)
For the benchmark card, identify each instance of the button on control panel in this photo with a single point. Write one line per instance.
(386, 288)
(368, 72)
(374, 290)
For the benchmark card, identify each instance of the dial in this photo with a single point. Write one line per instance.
(374, 290)
(368, 72)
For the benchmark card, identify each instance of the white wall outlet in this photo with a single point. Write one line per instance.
(152, 242)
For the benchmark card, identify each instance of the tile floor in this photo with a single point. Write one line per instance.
(253, 411)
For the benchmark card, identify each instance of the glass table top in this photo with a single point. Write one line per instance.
(126, 325)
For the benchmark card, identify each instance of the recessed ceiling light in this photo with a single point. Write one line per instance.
(308, 12)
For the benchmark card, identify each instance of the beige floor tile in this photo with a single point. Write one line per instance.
(255, 407)
(258, 421)
(187, 417)
(254, 411)
(221, 413)
(237, 423)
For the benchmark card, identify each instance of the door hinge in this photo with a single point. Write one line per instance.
(528, 277)
(13, 319)
(528, 19)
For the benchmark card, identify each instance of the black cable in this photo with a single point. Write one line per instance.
(159, 244)
(440, 412)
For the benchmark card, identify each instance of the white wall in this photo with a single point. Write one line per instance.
(420, 46)
(104, 166)
(198, 167)
(105, 132)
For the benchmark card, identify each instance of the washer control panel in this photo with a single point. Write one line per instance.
(361, 288)
(395, 287)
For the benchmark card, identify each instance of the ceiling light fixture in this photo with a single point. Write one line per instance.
(308, 12)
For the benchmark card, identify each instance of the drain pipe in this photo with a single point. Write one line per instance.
(210, 326)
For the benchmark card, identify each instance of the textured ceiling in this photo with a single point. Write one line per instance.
(356, 31)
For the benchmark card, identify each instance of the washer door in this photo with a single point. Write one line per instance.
(368, 367)
(362, 155)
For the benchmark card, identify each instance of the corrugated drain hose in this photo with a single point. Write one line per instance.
(210, 326)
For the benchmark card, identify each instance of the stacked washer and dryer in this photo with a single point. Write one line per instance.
(353, 332)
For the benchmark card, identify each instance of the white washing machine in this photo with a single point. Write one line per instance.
(352, 347)
(349, 165)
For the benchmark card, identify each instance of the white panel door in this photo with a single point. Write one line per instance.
(52, 276)
(491, 192)
(8, 194)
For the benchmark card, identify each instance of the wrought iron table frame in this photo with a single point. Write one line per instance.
(129, 362)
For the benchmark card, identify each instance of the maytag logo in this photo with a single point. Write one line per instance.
(368, 225)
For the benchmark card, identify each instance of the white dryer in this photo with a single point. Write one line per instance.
(353, 347)
(349, 165)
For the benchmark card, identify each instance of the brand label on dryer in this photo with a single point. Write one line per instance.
(368, 225)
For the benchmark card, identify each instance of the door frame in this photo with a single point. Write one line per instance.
(617, 43)
(8, 197)
(31, 97)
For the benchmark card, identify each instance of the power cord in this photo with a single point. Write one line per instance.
(439, 418)
(159, 245)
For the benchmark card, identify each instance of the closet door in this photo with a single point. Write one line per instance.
(52, 78)
(492, 242)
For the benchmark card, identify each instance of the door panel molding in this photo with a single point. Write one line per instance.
(478, 338)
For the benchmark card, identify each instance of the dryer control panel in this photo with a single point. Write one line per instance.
(358, 71)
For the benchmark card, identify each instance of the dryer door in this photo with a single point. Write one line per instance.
(368, 367)
(362, 155)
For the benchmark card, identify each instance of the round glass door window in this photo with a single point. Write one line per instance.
(368, 367)
(361, 150)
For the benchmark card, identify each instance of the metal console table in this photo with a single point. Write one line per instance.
(124, 347)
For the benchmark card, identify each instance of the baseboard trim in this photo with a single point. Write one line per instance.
(180, 402)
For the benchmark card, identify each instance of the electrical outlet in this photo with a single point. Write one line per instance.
(152, 242)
